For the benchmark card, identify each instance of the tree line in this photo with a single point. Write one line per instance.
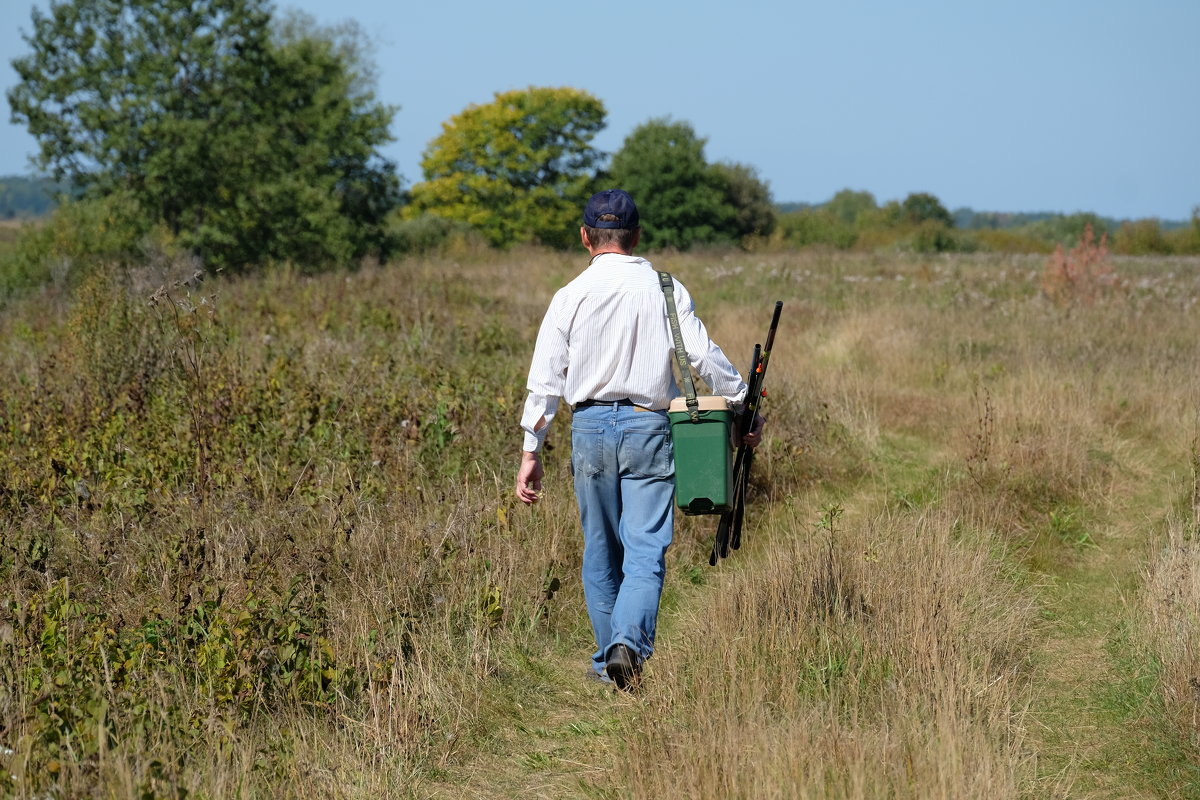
(215, 128)
(854, 220)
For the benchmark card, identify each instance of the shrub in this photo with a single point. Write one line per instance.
(817, 227)
(430, 233)
(80, 235)
(932, 236)
(1141, 237)
(1186, 241)
(1008, 241)
(1081, 274)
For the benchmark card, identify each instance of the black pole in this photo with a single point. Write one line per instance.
(729, 528)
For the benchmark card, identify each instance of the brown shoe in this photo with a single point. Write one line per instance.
(623, 667)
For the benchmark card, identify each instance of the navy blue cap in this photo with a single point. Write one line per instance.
(611, 201)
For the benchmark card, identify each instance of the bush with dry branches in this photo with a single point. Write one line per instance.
(1079, 275)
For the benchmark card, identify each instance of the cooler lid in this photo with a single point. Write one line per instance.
(707, 403)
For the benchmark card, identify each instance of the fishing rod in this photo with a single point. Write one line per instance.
(729, 529)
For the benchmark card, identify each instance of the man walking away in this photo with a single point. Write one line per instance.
(605, 347)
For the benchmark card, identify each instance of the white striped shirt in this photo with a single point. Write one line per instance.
(607, 336)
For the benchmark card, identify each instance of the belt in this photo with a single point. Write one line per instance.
(624, 401)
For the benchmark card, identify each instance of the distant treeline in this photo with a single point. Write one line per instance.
(853, 220)
(971, 220)
(968, 219)
(26, 198)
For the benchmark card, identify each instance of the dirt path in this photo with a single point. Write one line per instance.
(551, 732)
(1084, 721)
(1082, 751)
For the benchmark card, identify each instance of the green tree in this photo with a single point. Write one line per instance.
(681, 199)
(246, 145)
(921, 207)
(517, 169)
(850, 206)
(754, 213)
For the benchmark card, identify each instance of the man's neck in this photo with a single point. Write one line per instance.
(597, 253)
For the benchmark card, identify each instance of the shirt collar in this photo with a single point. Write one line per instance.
(619, 257)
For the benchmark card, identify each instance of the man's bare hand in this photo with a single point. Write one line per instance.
(754, 437)
(529, 478)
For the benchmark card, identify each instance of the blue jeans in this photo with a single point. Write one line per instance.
(625, 484)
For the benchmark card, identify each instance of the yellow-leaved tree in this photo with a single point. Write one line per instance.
(517, 169)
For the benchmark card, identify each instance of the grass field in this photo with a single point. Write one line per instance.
(10, 231)
(259, 540)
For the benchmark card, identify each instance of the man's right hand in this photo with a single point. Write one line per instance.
(751, 439)
(529, 478)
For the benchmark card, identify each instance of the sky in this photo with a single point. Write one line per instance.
(1018, 106)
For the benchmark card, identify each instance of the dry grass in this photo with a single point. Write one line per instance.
(1170, 626)
(878, 656)
(324, 464)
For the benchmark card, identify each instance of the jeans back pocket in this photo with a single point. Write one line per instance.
(587, 450)
(647, 453)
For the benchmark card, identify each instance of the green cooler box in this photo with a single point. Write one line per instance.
(703, 456)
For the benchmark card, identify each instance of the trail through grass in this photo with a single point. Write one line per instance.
(1089, 735)
(552, 736)
(1092, 692)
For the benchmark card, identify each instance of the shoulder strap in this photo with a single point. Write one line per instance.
(689, 388)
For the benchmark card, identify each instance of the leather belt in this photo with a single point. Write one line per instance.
(624, 401)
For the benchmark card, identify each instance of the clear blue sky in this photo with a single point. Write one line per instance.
(1025, 105)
